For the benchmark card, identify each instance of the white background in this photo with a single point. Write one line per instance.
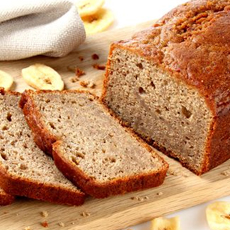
(131, 12)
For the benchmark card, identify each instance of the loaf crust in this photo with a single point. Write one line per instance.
(5, 199)
(39, 191)
(192, 44)
(77, 176)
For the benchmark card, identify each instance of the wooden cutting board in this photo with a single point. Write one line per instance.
(181, 189)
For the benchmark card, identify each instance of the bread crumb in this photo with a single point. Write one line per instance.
(44, 214)
(95, 57)
(159, 193)
(61, 224)
(87, 84)
(178, 172)
(226, 173)
(85, 214)
(79, 72)
(185, 174)
(140, 198)
(44, 224)
(72, 222)
(27, 228)
(91, 85)
(173, 172)
(84, 84)
(74, 79)
(81, 58)
(99, 67)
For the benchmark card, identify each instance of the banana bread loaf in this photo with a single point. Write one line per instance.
(88, 145)
(24, 169)
(171, 83)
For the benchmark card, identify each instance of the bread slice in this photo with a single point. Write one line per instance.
(170, 83)
(24, 169)
(89, 146)
(5, 198)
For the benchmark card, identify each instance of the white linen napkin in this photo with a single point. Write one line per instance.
(35, 27)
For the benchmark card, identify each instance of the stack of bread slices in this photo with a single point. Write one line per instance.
(74, 147)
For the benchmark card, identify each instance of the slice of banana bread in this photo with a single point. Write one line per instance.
(171, 82)
(24, 169)
(5, 198)
(88, 145)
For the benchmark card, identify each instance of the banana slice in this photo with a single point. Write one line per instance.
(40, 76)
(98, 22)
(165, 224)
(6, 81)
(89, 7)
(218, 215)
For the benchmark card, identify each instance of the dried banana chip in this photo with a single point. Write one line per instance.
(40, 76)
(165, 224)
(218, 215)
(89, 7)
(6, 81)
(98, 22)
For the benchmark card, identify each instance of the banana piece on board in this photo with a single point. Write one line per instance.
(89, 7)
(40, 76)
(98, 22)
(218, 215)
(162, 223)
(6, 80)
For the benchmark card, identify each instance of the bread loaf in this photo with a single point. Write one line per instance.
(171, 83)
(24, 169)
(88, 145)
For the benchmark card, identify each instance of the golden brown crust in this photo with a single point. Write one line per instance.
(192, 44)
(43, 138)
(6, 199)
(28, 188)
(87, 184)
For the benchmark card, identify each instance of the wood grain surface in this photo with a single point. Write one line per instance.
(181, 189)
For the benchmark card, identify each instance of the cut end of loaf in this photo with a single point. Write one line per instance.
(159, 107)
(95, 151)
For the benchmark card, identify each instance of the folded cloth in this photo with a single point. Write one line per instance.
(35, 27)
